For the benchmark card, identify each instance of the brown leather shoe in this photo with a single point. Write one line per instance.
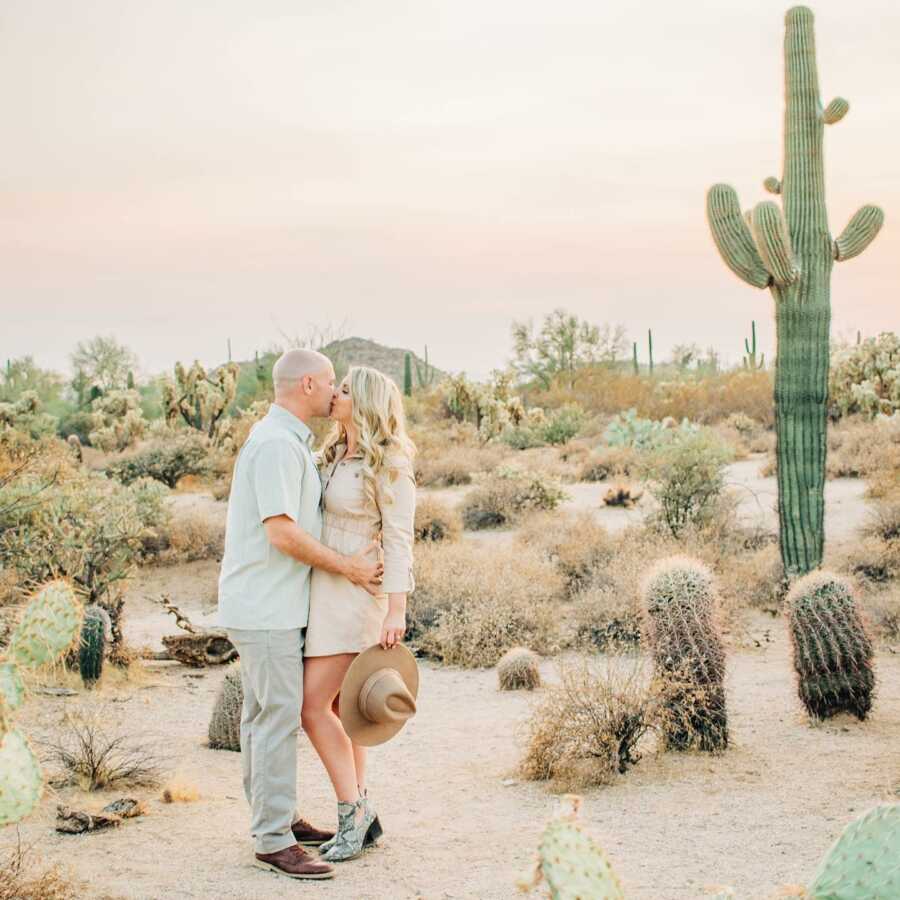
(308, 836)
(294, 862)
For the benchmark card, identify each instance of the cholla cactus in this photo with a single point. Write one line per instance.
(679, 604)
(25, 415)
(865, 378)
(832, 652)
(225, 722)
(47, 629)
(117, 420)
(571, 862)
(200, 400)
(864, 861)
(792, 253)
(519, 669)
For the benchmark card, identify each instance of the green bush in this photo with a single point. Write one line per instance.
(166, 462)
(686, 477)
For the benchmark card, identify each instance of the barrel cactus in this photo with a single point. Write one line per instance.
(518, 669)
(93, 644)
(832, 651)
(48, 627)
(792, 253)
(572, 863)
(679, 604)
(864, 862)
(225, 723)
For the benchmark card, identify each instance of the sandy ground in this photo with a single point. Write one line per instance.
(458, 823)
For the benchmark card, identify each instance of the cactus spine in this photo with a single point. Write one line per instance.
(225, 722)
(47, 628)
(93, 644)
(832, 651)
(407, 375)
(750, 361)
(688, 653)
(792, 253)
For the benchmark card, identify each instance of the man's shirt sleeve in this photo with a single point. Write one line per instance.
(277, 478)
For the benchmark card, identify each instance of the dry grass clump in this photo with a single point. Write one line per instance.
(588, 728)
(23, 878)
(875, 557)
(549, 462)
(506, 495)
(472, 603)
(450, 454)
(176, 790)
(519, 669)
(193, 535)
(608, 462)
(94, 759)
(621, 494)
(603, 618)
(882, 614)
(859, 448)
(436, 520)
(576, 543)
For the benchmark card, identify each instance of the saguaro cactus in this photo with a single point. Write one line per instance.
(792, 253)
(750, 360)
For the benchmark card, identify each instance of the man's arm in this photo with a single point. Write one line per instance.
(286, 536)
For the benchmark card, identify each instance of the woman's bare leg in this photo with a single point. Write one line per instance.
(359, 754)
(322, 677)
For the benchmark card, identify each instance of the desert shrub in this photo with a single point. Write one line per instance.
(687, 478)
(519, 669)
(116, 420)
(859, 449)
(604, 619)
(577, 545)
(436, 521)
(166, 462)
(472, 603)
(23, 877)
(557, 427)
(609, 462)
(192, 535)
(177, 790)
(882, 612)
(507, 494)
(79, 422)
(865, 378)
(94, 759)
(26, 415)
(587, 730)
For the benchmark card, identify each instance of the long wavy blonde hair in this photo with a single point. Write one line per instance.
(380, 424)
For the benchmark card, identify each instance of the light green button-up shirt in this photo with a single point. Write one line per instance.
(274, 474)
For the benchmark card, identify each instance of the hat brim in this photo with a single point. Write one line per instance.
(360, 730)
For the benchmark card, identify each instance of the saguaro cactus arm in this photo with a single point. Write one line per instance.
(835, 111)
(859, 233)
(774, 243)
(732, 236)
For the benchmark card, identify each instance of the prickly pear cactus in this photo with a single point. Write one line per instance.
(47, 628)
(572, 863)
(21, 782)
(789, 249)
(688, 653)
(864, 862)
(832, 652)
(225, 722)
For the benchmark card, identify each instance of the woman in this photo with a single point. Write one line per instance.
(368, 489)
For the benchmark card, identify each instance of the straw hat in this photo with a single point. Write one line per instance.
(378, 694)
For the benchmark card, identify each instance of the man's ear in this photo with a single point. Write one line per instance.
(307, 384)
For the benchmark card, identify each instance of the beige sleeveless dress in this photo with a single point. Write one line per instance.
(344, 618)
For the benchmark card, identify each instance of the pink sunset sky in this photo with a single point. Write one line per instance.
(175, 174)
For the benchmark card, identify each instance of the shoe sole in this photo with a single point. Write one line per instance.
(296, 876)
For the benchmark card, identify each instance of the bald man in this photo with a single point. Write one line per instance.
(271, 545)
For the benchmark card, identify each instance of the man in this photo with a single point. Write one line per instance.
(271, 543)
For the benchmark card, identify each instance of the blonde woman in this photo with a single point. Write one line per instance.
(368, 490)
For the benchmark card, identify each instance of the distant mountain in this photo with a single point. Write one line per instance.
(356, 351)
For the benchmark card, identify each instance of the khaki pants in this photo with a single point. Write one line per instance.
(272, 679)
